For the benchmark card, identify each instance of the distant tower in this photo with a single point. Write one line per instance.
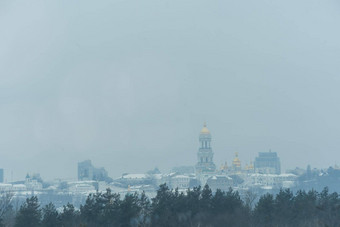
(1, 175)
(236, 163)
(267, 163)
(205, 155)
(85, 170)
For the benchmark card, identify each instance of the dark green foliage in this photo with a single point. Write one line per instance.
(163, 212)
(29, 214)
(264, 211)
(110, 208)
(145, 206)
(101, 209)
(129, 210)
(50, 216)
(328, 207)
(283, 205)
(92, 210)
(196, 207)
(304, 208)
(69, 217)
(228, 209)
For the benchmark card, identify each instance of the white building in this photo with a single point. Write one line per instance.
(81, 187)
(180, 182)
(32, 184)
(270, 180)
(222, 182)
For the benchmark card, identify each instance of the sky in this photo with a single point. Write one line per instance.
(129, 83)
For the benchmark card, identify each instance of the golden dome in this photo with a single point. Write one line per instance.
(236, 161)
(251, 166)
(205, 130)
(224, 166)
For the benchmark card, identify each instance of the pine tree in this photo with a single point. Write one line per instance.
(144, 215)
(304, 209)
(206, 199)
(110, 203)
(69, 216)
(90, 211)
(29, 214)
(162, 208)
(50, 216)
(129, 210)
(264, 211)
(283, 212)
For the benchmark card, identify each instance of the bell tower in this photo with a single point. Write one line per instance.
(205, 154)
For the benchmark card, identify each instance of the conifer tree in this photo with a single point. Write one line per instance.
(69, 217)
(29, 214)
(264, 211)
(50, 216)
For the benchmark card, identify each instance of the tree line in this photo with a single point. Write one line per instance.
(197, 207)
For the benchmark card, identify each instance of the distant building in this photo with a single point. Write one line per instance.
(85, 170)
(154, 171)
(6, 187)
(271, 180)
(249, 168)
(1, 175)
(205, 154)
(180, 182)
(88, 172)
(33, 182)
(222, 182)
(184, 169)
(82, 187)
(267, 163)
(133, 179)
(236, 167)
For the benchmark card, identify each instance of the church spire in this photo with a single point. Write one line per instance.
(205, 155)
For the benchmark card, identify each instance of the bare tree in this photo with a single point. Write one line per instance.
(249, 198)
(7, 214)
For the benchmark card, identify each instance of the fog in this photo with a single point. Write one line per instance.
(128, 84)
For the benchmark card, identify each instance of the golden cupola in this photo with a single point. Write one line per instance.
(246, 167)
(205, 133)
(251, 166)
(205, 130)
(224, 166)
(236, 161)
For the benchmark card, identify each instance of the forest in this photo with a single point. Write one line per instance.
(196, 207)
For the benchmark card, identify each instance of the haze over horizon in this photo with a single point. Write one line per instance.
(128, 84)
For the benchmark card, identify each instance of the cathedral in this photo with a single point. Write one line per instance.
(205, 164)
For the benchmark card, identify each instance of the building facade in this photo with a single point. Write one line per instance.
(88, 172)
(236, 166)
(180, 182)
(222, 182)
(1, 175)
(267, 163)
(205, 163)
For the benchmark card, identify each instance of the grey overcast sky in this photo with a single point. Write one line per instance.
(129, 83)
